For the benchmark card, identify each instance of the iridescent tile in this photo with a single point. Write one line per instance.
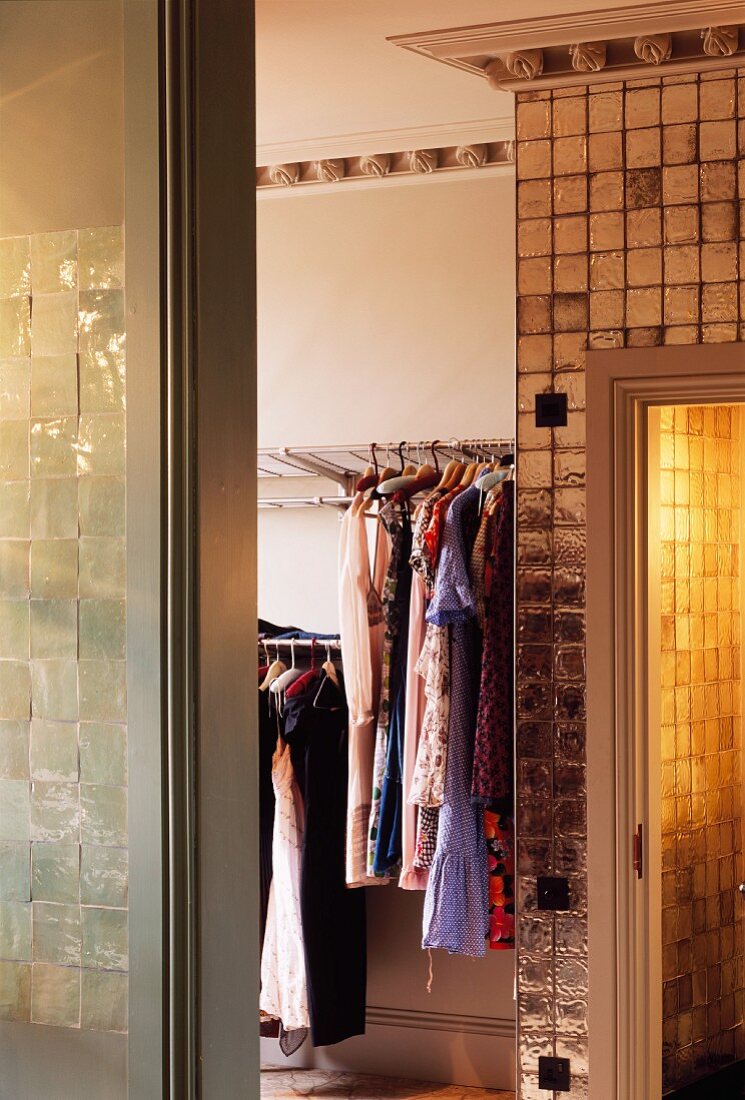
(644, 266)
(642, 108)
(55, 996)
(534, 701)
(102, 568)
(679, 103)
(679, 144)
(719, 302)
(570, 194)
(14, 389)
(104, 1001)
(102, 381)
(719, 221)
(718, 181)
(607, 309)
(569, 627)
(681, 225)
(15, 991)
(533, 119)
(570, 273)
(533, 738)
(533, 624)
(54, 261)
(534, 1045)
(568, 587)
(54, 751)
(605, 152)
(643, 307)
(606, 231)
(570, 312)
(15, 931)
(103, 690)
(569, 116)
(680, 184)
(533, 316)
(533, 159)
(15, 868)
(54, 385)
(534, 508)
(569, 155)
(54, 324)
(534, 276)
(101, 258)
(533, 356)
(681, 265)
(55, 812)
(535, 1011)
(534, 662)
(54, 690)
(606, 111)
(570, 234)
(105, 943)
(533, 199)
(644, 337)
(15, 690)
(570, 739)
(14, 450)
(15, 267)
(103, 876)
(14, 749)
(718, 262)
(55, 872)
(15, 327)
(607, 270)
(643, 148)
(101, 320)
(717, 140)
(535, 817)
(57, 936)
(54, 568)
(533, 237)
(104, 815)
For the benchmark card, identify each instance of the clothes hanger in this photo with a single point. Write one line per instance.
(276, 668)
(370, 476)
(402, 480)
(299, 685)
(287, 677)
(426, 477)
(330, 694)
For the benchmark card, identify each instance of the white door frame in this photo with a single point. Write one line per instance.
(624, 1011)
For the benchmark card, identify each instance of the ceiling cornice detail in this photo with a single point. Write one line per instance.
(393, 141)
(623, 43)
(374, 169)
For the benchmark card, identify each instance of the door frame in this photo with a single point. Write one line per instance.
(621, 387)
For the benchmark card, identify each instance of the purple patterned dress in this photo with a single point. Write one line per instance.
(456, 903)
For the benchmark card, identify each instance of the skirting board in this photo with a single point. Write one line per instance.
(467, 1050)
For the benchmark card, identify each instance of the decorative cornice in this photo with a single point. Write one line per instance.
(383, 168)
(499, 128)
(624, 43)
(441, 1021)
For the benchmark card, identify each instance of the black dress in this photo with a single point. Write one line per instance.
(333, 916)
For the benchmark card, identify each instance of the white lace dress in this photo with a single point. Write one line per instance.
(284, 993)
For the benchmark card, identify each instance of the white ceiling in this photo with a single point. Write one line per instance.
(325, 70)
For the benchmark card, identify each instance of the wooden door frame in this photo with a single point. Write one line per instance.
(621, 387)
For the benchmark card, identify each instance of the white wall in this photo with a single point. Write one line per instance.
(384, 314)
(387, 314)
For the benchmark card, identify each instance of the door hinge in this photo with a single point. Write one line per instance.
(638, 850)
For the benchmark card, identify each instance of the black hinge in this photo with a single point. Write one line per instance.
(638, 847)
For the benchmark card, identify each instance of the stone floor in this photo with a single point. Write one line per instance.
(284, 1084)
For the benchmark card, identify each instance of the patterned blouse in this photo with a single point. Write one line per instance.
(493, 753)
(428, 781)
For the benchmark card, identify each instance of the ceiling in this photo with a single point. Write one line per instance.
(325, 71)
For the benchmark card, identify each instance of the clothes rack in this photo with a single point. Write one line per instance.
(343, 463)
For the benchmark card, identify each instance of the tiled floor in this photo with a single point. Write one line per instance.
(285, 1084)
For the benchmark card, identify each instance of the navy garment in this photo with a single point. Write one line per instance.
(333, 917)
(388, 841)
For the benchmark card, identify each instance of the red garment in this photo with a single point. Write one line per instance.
(500, 847)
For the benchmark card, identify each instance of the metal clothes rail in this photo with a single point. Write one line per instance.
(343, 463)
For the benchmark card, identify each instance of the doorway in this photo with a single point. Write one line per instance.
(664, 775)
(695, 794)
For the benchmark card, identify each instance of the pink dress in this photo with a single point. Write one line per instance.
(361, 628)
(412, 878)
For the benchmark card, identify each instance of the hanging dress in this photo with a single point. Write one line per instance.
(333, 916)
(284, 993)
(395, 518)
(412, 877)
(387, 855)
(361, 628)
(456, 907)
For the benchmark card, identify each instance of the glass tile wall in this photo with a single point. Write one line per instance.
(629, 235)
(701, 741)
(63, 704)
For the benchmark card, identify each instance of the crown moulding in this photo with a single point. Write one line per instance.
(625, 43)
(376, 167)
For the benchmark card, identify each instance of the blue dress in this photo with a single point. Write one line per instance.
(456, 904)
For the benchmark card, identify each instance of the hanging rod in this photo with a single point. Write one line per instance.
(343, 462)
(305, 502)
(300, 643)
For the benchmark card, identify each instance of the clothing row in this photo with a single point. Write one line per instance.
(313, 954)
(426, 615)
